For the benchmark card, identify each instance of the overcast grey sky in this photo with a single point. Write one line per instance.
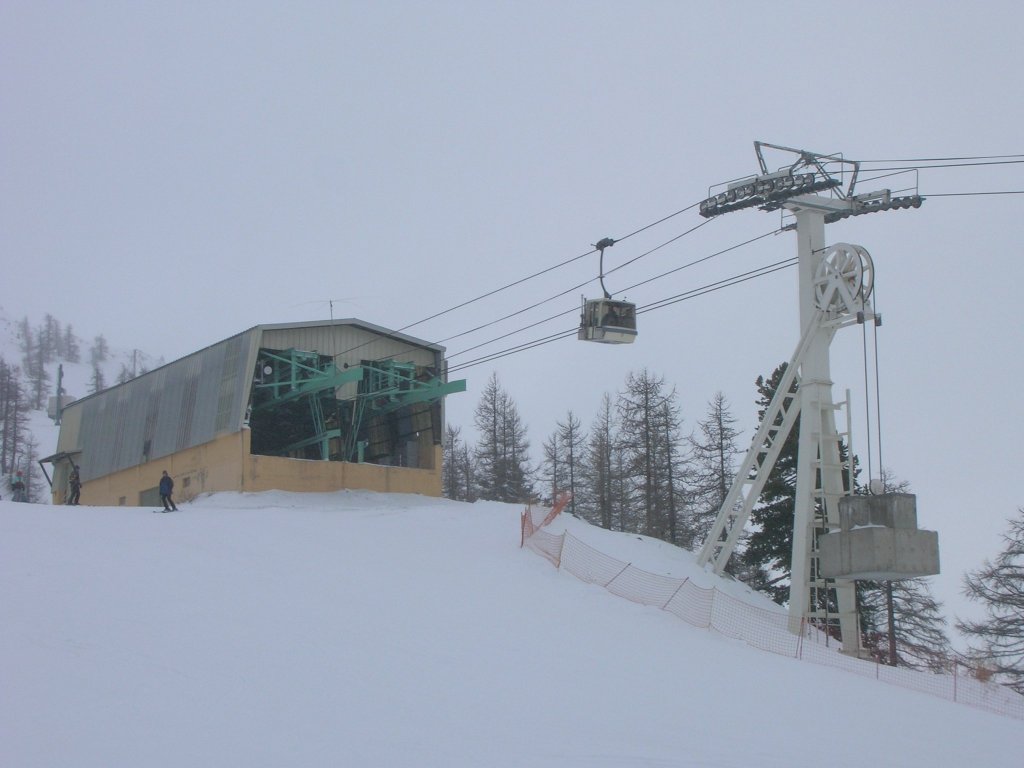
(175, 173)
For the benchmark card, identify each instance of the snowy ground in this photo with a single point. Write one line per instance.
(358, 629)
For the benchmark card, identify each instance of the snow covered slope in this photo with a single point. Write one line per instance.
(357, 629)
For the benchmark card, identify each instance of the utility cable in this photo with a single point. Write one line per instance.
(529, 277)
(946, 165)
(659, 221)
(566, 312)
(656, 248)
(940, 159)
(703, 259)
(512, 333)
(514, 350)
(549, 269)
(719, 285)
(867, 396)
(954, 162)
(589, 280)
(972, 194)
(878, 394)
(983, 160)
(661, 304)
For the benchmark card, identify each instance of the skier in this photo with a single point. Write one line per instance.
(75, 486)
(166, 489)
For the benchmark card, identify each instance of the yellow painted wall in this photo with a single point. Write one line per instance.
(225, 464)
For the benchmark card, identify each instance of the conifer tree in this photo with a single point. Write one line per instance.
(553, 468)
(649, 432)
(13, 415)
(918, 626)
(449, 476)
(997, 641)
(97, 382)
(38, 377)
(563, 459)
(49, 338)
(26, 341)
(676, 496)
(503, 450)
(457, 481)
(71, 349)
(28, 464)
(597, 492)
(770, 546)
(714, 453)
(99, 351)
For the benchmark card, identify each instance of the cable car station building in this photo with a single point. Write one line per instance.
(308, 406)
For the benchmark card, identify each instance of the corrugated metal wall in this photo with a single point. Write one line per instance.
(346, 343)
(183, 404)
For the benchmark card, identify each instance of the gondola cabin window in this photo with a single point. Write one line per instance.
(608, 321)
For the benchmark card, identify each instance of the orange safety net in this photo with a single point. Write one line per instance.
(764, 629)
(529, 527)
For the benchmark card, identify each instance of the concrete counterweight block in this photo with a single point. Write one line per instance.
(878, 540)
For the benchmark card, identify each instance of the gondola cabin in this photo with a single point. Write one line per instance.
(608, 321)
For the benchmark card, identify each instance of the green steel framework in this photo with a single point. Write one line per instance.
(286, 379)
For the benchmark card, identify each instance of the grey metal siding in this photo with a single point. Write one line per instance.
(181, 405)
(346, 344)
(349, 345)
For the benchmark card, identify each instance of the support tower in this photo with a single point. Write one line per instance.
(835, 285)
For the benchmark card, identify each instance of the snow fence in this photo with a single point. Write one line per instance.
(711, 609)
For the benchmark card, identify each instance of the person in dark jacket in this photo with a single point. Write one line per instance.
(74, 485)
(17, 484)
(166, 489)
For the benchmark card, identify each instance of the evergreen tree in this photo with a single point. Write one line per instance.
(449, 476)
(457, 479)
(622, 488)
(26, 341)
(678, 472)
(38, 377)
(907, 607)
(596, 502)
(574, 442)
(553, 469)
(997, 641)
(99, 352)
(50, 338)
(714, 453)
(503, 450)
(563, 458)
(72, 352)
(649, 431)
(28, 463)
(770, 545)
(97, 382)
(13, 415)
